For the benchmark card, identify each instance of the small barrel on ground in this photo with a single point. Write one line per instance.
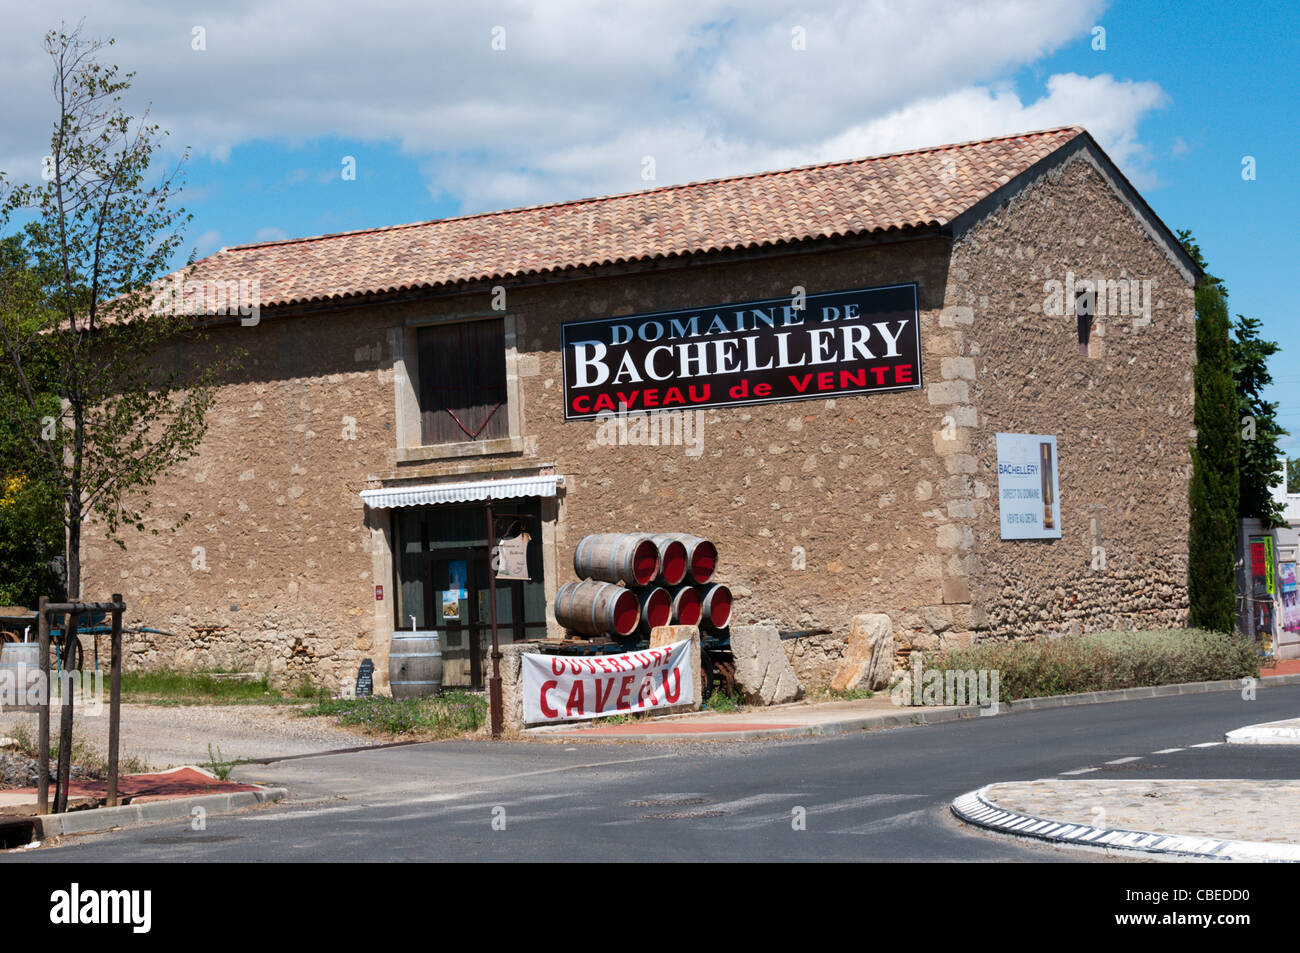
(415, 664)
(656, 608)
(701, 555)
(715, 607)
(631, 558)
(20, 664)
(686, 606)
(597, 608)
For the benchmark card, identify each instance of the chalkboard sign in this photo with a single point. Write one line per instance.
(366, 679)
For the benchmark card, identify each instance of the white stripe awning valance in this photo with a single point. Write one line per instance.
(431, 493)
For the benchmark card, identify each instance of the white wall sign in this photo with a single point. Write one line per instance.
(1029, 501)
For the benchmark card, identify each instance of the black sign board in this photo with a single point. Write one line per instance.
(366, 679)
(755, 352)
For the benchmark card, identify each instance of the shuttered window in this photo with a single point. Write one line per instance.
(463, 382)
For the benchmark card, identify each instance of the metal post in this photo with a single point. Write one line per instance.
(115, 699)
(43, 718)
(64, 777)
(494, 683)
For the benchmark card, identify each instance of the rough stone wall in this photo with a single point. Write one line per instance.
(272, 570)
(1122, 416)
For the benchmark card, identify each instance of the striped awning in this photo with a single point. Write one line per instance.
(431, 493)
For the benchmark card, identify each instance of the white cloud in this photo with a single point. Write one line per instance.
(584, 90)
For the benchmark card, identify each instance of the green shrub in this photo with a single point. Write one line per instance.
(441, 716)
(1104, 661)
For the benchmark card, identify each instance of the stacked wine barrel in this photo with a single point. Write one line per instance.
(635, 582)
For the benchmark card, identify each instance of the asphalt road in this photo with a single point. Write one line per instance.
(880, 795)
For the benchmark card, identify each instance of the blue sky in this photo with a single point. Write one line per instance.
(271, 99)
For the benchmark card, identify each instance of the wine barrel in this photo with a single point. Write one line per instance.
(20, 664)
(597, 608)
(656, 608)
(715, 607)
(701, 555)
(617, 557)
(415, 664)
(686, 606)
(674, 561)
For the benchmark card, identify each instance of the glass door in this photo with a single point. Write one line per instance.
(442, 584)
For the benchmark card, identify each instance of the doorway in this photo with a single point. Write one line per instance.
(442, 583)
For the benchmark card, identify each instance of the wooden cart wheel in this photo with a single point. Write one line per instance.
(71, 656)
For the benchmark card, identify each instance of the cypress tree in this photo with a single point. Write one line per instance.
(1214, 491)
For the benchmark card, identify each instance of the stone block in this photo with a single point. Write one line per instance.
(957, 367)
(764, 675)
(948, 392)
(667, 635)
(868, 656)
(956, 590)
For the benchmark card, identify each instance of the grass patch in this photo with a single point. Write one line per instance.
(218, 767)
(447, 715)
(721, 701)
(171, 687)
(1104, 661)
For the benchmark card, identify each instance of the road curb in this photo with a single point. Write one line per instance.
(1285, 732)
(100, 820)
(976, 809)
(921, 715)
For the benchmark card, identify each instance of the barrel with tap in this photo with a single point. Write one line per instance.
(597, 608)
(701, 555)
(631, 558)
(415, 664)
(715, 607)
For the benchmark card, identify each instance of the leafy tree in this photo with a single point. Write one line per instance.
(1261, 463)
(76, 322)
(1293, 475)
(31, 527)
(1215, 482)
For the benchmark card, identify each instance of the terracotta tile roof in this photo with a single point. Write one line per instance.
(923, 187)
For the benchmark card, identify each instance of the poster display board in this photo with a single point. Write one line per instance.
(1262, 586)
(1029, 500)
(1286, 577)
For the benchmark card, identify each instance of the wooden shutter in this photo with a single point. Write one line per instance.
(463, 382)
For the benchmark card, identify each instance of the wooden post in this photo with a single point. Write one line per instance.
(43, 719)
(115, 699)
(494, 683)
(64, 777)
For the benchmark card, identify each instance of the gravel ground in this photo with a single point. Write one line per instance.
(166, 736)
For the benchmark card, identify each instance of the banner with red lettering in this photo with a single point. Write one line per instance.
(570, 687)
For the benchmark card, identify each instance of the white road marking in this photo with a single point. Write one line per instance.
(1208, 744)
(1077, 771)
(1167, 750)
(1125, 760)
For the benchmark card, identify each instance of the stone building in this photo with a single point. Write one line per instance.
(826, 356)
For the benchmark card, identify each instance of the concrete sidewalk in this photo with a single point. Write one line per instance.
(1187, 819)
